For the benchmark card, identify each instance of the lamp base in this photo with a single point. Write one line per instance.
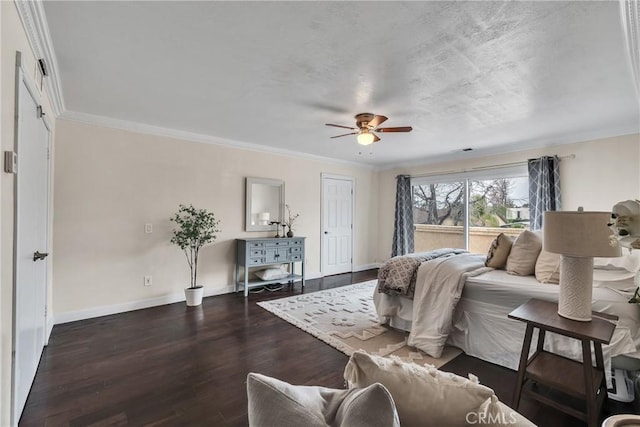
(576, 288)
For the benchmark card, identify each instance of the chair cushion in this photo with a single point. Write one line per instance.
(425, 396)
(276, 403)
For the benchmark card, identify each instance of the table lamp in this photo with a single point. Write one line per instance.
(577, 236)
(264, 218)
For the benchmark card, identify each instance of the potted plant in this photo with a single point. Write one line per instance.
(195, 228)
(289, 222)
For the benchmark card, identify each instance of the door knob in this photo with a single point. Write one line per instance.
(37, 255)
(326, 232)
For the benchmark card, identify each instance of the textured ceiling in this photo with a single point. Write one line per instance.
(488, 75)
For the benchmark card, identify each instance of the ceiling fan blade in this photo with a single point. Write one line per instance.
(398, 129)
(375, 137)
(340, 126)
(377, 121)
(338, 136)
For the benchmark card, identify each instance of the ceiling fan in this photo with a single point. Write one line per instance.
(366, 124)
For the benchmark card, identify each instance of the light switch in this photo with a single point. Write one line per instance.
(148, 228)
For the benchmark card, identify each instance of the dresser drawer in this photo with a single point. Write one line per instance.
(253, 245)
(295, 249)
(297, 242)
(296, 257)
(255, 261)
(278, 244)
(256, 252)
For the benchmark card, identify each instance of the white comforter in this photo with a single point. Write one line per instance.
(438, 288)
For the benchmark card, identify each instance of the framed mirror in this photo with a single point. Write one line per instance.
(265, 203)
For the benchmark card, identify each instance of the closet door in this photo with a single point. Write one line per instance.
(31, 238)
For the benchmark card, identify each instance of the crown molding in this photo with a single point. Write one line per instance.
(516, 147)
(108, 122)
(34, 21)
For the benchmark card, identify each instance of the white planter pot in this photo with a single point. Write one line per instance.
(194, 295)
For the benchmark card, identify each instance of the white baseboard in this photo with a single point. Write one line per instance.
(106, 310)
(364, 267)
(89, 313)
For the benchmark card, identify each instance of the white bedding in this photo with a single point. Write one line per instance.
(439, 285)
(481, 327)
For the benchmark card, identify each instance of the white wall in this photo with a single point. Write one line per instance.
(602, 173)
(109, 183)
(13, 39)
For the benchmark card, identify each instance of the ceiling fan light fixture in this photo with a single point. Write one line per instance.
(365, 138)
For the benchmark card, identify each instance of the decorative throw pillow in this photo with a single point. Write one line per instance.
(276, 403)
(524, 254)
(424, 396)
(548, 267)
(272, 273)
(499, 251)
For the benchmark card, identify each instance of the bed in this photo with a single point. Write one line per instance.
(480, 327)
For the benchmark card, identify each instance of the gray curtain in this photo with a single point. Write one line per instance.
(403, 225)
(544, 188)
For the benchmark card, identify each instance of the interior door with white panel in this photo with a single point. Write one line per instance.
(31, 240)
(337, 225)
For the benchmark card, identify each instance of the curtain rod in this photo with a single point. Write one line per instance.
(479, 168)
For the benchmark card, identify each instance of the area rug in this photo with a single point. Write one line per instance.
(345, 318)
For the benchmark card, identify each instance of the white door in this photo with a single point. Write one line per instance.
(32, 181)
(337, 225)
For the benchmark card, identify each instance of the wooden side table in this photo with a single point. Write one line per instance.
(573, 378)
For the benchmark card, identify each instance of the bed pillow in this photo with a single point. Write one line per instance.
(499, 251)
(276, 403)
(272, 273)
(548, 267)
(629, 261)
(424, 396)
(524, 254)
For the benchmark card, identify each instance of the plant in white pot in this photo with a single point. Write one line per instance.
(195, 228)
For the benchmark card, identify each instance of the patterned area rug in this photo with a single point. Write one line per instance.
(345, 318)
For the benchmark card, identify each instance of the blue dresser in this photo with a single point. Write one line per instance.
(264, 252)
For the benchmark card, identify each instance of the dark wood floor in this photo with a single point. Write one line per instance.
(178, 365)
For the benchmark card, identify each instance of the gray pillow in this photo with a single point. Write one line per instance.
(276, 403)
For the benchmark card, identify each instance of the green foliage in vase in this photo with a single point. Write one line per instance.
(195, 228)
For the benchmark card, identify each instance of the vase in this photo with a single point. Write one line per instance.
(194, 296)
(290, 233)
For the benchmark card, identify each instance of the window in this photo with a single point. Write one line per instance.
(468, 210)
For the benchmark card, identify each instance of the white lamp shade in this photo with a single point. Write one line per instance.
(578, 234)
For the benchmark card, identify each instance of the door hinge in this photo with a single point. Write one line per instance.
(40, 112)
(48, 153)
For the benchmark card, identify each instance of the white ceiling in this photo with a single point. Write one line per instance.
(487, 75)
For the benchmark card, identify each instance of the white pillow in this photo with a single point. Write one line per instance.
(524, 254)
(548, 267)
(425, 396)
(276, 403)
(272, 273)
(629, 261)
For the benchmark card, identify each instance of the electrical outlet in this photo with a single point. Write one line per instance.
(147, 280)
(148, 228)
